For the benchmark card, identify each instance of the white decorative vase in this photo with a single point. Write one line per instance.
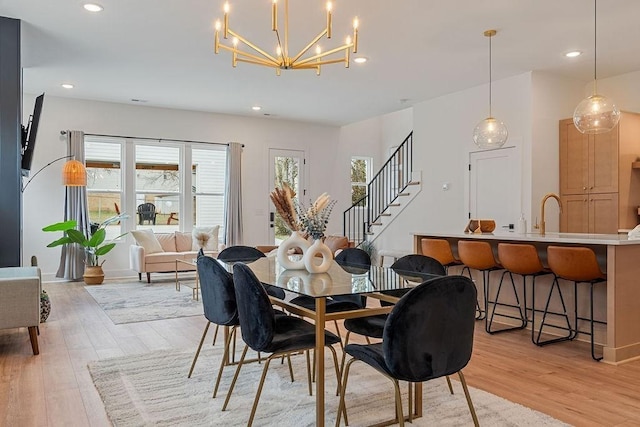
(311, 260)
(292, 242)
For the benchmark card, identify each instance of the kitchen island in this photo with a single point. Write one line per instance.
(619, 304)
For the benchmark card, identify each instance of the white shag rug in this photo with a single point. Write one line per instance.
(153, 390)
(139, 301)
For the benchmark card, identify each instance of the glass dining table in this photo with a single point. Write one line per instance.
(340, 280)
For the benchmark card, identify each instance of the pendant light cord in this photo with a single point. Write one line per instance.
(595, 45)
(490, 37)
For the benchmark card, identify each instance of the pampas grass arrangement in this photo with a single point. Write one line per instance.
(282, 199)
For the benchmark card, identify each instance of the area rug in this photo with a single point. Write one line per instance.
(153, 390)
(138, 301)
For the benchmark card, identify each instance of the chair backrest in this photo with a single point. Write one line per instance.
(240, 253)
(218, 296)
(419, 264)
(257, 319)
(147, 209)
(353, 256)
(574, 263)
(477, 255)
(439, 249)
(441, 342)
(520, 258)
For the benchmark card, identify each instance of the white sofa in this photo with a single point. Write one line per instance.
(175, 246)
(20, 289)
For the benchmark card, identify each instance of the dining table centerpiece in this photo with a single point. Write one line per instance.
(283, 199)
(313, 220)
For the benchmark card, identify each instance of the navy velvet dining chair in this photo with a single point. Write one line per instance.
(428, 335)
(265, 332)
(349, 257)
(247, 254)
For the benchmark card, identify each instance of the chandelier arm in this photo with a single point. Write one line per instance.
(280, 46)
(314, 41)
(252, 46)
(316, 64)
(249, 55)
(323, 54)
(257, 62)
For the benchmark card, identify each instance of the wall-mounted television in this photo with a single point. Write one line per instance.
(29, 133)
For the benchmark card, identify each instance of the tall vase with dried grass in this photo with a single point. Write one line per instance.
(283, 200)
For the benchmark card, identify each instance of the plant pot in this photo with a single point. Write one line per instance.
(45, 306)
(93, 275)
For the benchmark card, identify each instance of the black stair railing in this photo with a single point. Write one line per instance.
(382, 191)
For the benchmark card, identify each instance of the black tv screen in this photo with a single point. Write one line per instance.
(29, 134)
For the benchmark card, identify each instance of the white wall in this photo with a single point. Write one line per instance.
(443, 129)
(624, 90)
(44, 198)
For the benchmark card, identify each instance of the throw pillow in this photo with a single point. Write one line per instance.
(184, 242)
(336, 242)
(147, 240)
(205, 238)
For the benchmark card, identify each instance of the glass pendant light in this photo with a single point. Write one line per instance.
(490, 132)
(596, 113)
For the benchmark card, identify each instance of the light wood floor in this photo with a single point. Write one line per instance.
(55, 389)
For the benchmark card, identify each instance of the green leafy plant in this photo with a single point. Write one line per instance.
(94, 245)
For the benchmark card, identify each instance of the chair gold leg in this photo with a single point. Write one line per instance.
(234, 332)
(235, 377)
(335, 322)
(449, 384)
(335, 364)
(399, 413)
(313, 372)
(257, 398)
(344, 353)
(225, 361)
(290, 367)
(368, 340)
(342, 407)
(309, 372)
(469, 402)
(411, 389)
(195, 358)
(215, 334)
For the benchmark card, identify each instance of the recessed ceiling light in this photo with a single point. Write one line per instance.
(256, 108)
(67, 85)
(93, 7)
(360, 59)
(573, 54)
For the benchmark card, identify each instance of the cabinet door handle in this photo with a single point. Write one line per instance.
(584, 188)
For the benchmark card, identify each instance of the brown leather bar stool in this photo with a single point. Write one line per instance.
(479, 256)
(439, 249)
(523, 260)
(579, 265)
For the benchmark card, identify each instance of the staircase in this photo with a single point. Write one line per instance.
(388, 193)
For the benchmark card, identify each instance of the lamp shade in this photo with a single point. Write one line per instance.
(490, 133)
(74, 174)
(596, 114)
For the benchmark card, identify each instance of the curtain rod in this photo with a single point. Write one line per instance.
(64, 132)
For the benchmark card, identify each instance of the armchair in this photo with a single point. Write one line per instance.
(20, 289)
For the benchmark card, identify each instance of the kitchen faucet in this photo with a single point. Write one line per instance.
(544, 200)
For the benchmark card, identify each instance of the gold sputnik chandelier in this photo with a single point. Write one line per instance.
(283, 59)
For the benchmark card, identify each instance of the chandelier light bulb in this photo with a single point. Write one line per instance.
(355, 23)
(226, 7)
(329, 6)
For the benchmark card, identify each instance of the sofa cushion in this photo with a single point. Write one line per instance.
(164, 257)
(167, 241)
(205, 237)
(183, 241)
(148, 240)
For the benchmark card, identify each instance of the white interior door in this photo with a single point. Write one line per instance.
(284, 166)
(494, 186)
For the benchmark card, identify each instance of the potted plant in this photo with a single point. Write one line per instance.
(94, 245)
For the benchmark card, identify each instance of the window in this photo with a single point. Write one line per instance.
(360, 176)
(104, 182)
(209, 172)
(157, 186)
(165, 186)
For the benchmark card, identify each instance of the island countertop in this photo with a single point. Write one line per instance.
(618, 255)
(549, 237)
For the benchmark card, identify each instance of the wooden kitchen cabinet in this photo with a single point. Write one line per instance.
(599, 188)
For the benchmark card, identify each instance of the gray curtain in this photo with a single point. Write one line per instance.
(233, 196)
(75, 207)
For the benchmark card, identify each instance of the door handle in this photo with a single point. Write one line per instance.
(272, 216)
